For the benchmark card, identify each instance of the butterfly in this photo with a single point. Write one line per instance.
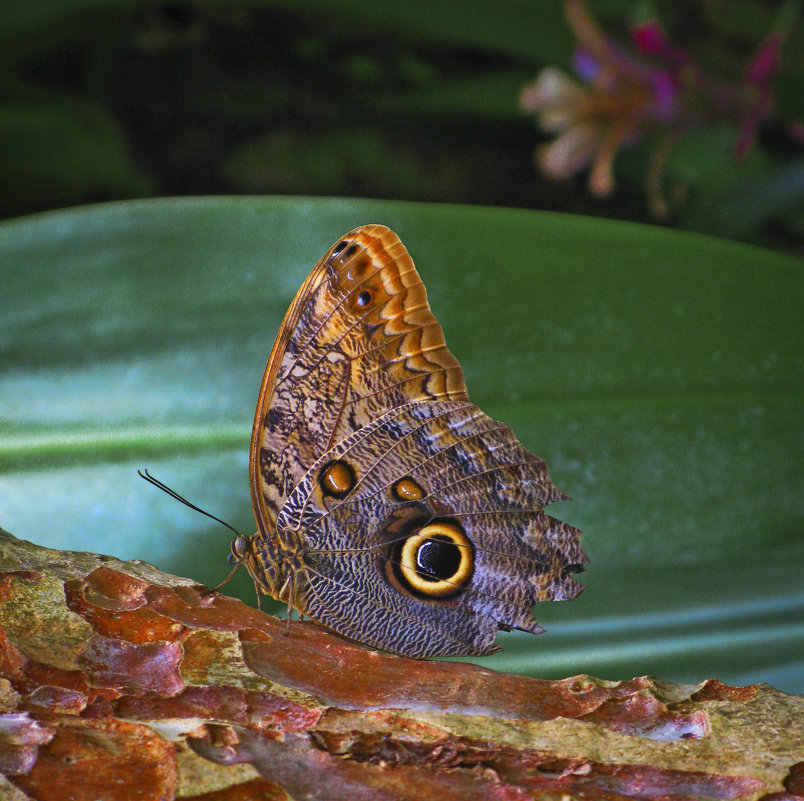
(389, 508)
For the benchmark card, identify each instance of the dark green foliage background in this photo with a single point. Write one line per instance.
(110, 99)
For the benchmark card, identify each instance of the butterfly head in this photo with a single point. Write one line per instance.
(272, 562)
(240, 550)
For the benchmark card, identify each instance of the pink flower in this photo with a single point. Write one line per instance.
(623, 98)
(587, 132)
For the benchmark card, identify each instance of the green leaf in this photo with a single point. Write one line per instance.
(658, 373)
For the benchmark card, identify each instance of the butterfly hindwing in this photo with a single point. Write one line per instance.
(443, 467)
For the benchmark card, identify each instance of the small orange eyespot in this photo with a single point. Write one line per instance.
(363, 298)
(406, 489)
(337, 479)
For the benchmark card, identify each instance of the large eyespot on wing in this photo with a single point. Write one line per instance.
(432, 560)
(441, 539)
(358, 339)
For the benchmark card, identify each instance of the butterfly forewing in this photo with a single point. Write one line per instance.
(358, 340)
(391, 508)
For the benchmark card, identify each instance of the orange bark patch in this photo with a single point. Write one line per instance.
(136, 625)
(714, 690)
(261, 710)
(12, 660)
(112, 589)
(197, 607)
(310, 660)
(108, 759)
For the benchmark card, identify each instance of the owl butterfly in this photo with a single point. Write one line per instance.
(390, 508)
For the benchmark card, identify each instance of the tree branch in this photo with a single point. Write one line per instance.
(120, 681)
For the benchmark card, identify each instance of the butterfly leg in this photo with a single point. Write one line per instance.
(227, 579)
(291, 588)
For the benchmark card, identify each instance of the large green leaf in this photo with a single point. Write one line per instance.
(658, 373)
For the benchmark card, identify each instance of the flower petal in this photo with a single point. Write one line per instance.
(555, 97)
(570, 152)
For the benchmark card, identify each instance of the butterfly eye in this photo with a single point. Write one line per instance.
(337, 479)
(239, 549)
(406, 489)
(435, 562)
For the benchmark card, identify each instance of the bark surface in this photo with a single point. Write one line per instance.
(119, 681)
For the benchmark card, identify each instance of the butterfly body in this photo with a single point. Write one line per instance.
(389, 507)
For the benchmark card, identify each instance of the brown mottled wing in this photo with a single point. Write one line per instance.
(472, 470)
(359, 339)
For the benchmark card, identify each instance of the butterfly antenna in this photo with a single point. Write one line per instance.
(173, 494)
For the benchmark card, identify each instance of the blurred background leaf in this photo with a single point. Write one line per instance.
(107, 99)
(657, 372)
